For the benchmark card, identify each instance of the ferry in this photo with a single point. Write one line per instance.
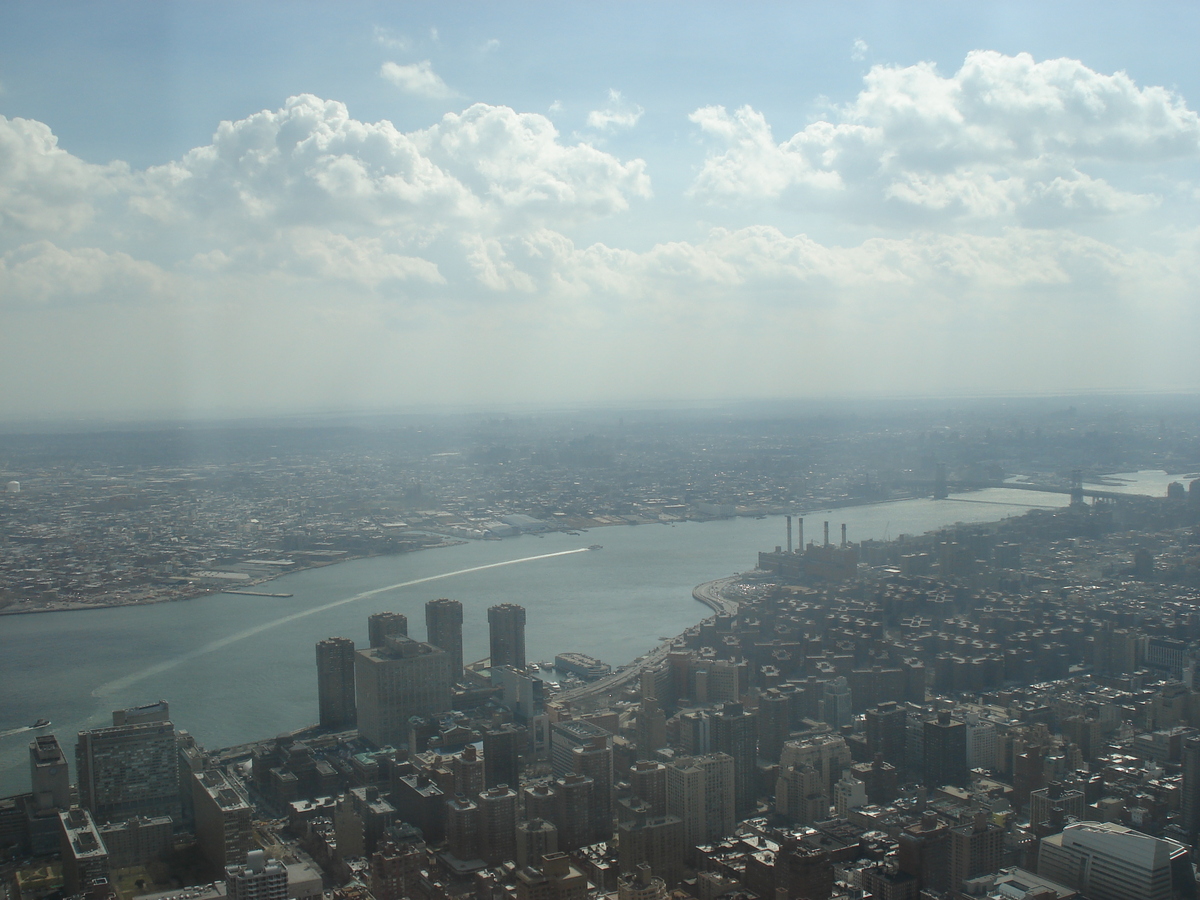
(596, 547)
(40, 723)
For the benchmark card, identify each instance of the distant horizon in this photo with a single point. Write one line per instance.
(746, 407)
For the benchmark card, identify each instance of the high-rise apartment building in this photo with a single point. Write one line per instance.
(49, 774)
(976, 848)
(258, 879)
(733, 732)
(462, 828)
(596, 762)
(498, 825)
(774, 723)
(1190, 797)
(382, 625)
(402, 679)
(222, 819)
(648, 782)
(84, 857)
(945, 752)
(886, 727)
(506, 629)
(335, 683)
(700, 794)
(535, 838)
(572, 733)
(502, 751)
(656, 841)
(443, 626)
(396, 867)
(131, 768)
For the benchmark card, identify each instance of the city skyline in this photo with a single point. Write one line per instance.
(211, 210)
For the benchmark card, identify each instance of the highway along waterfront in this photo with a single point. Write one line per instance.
(237, 668)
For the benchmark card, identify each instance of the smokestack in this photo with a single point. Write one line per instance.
(789, 518)
(800, 543)
(827, 533)
(843, 535)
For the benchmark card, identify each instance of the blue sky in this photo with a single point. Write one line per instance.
(213, 208)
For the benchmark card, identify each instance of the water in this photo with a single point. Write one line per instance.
(237, 668)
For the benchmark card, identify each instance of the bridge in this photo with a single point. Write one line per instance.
(941, 487)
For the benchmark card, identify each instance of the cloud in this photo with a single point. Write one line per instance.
(45, 188)
(617, 113)
(1005, 136)
(41, 273)
(859, 52)
(385, 37)
(417, 78)
(517, 161)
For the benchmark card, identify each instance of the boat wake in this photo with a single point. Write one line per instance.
(121, 684)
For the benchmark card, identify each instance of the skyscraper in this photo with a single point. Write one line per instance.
(1190, 799)
(733, 732)
(405, 678)
(506, 627)
(381, 625)
(335, 683)
(700, 794)
(502, 748)
(596, 762)
(945, 751)
(223, 828)
(443, 625)
(886, 727)
(130, 769)
(48, 774)
(498, 825)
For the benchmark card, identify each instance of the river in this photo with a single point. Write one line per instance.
(237, 668)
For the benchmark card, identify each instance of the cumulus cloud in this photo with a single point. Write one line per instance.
(617, 113)
(1004, 136)
(859, 50)
(41, 273)
(45, 188)
(517, 161)
(417, 78)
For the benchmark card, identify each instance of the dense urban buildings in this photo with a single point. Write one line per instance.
(983, 710)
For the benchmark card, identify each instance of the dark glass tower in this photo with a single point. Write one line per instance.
(506, 624)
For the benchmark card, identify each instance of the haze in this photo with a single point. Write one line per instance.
(224, 209)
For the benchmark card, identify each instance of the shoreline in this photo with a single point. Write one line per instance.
(79, 606)
(448, 540)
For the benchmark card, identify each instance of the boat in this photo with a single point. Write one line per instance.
(41, 723)
(595, 547)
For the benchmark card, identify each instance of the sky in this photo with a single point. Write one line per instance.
(229, 209)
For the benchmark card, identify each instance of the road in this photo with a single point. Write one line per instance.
(708, 593)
